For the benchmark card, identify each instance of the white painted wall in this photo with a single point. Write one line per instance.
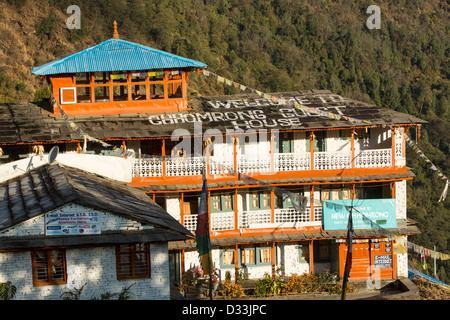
(116, 168)
(94, 266)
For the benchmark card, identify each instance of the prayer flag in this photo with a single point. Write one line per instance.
(348, 261)
(202, 231)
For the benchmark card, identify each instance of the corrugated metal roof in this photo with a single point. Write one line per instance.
(116, 55)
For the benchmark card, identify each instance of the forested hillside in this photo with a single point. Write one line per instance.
(272, 45)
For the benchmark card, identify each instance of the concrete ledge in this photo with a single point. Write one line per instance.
(409, 291)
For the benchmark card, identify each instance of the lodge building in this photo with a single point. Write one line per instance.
(281, 179)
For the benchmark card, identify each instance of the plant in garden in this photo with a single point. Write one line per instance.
(233, 290)
(269, 286)
(7, 291)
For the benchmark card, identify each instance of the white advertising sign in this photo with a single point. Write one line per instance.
(72, 223)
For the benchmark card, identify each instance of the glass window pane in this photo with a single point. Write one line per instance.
(102, 94)
(157, 91)
(120, 93)
(228, 257)
(82, 78)
(175, 90)
(101, 77)
(83, 94)
(138, 92)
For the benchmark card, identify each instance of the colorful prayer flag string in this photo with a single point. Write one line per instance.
(432, 166)
(280, 100)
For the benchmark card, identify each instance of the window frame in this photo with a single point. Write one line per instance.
(131, 253)
(260, 196)
(49, 264)
(161, 80)
(222, 201)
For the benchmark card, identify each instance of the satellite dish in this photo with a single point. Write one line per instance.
(53, 154)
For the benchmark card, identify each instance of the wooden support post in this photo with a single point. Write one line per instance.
(235, 140)
(353, 147)
(272, 154)
(236, 219)
(92, 88)
(311, 201)
(272, 205)
(163, 155)
(311, 148)
(393, 146)
(183, 269)
(273, 260)
(182, 208)
(209, 211)
(236, 263)
(311, 257)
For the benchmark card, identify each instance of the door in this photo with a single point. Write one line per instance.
(360, 260)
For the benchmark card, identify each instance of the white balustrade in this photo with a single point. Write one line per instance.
(253, 219)
(180, 166)
(190, 166)
(222, 221)
(332, 160)
(288, 215)
(147, 167)
(253, 164)
(218, 165)
(292, 161)
(373, 158)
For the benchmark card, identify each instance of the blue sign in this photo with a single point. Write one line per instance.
(366, 214)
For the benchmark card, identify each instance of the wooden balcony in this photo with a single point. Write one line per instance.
(305, 164)
(258, 219)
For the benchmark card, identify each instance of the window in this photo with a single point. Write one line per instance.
(264, 256)
(157, 91)
(303, 251)
(319, 143)
(227, 258)
(49, 267)
(221, 202)
(260, 200)
(335, 192)
(133, 261)
(248, 256)
(174, 86)
(120, 93)
(286, 142)
(83, 94)
(289, 198)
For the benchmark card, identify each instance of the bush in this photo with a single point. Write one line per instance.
(269, 286)
(233, 290)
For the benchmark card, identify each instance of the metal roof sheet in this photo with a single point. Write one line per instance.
(116, 55)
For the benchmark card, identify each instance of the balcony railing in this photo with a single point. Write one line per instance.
(256, 219)
(190, 166)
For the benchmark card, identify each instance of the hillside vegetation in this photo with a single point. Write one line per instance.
(277, 45)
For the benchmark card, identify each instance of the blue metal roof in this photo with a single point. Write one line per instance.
(116, 55)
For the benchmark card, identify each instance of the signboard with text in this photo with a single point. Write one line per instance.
(366, 214)
(72, 223)
(383, 261)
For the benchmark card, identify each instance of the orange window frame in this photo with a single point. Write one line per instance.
(130, 259)
(42, 260)
(170, 84)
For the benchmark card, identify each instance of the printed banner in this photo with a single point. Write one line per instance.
(72, 223)
(367, 214)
